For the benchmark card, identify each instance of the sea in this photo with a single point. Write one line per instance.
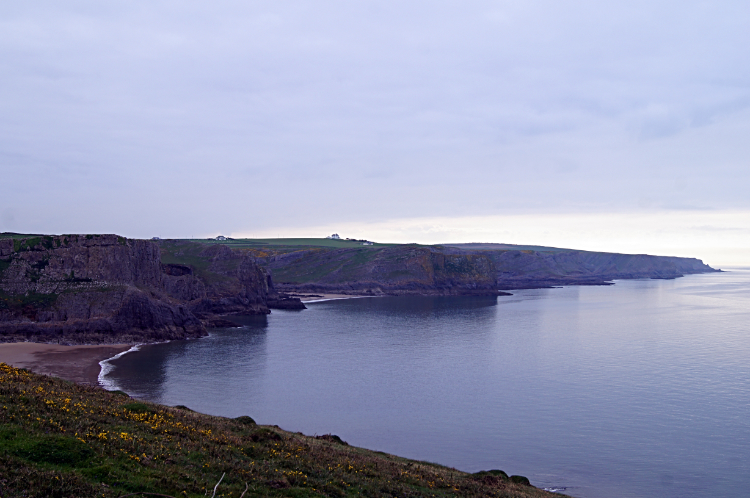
(638, 389)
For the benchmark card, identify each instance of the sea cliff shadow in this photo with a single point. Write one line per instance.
(212, 374)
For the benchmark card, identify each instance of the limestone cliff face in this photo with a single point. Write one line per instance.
(395, 270)
(107, 289)
(232, 283)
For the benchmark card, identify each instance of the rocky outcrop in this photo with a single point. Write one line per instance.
(233, 284)
(283, 301)
(217, 280)
(108, 289)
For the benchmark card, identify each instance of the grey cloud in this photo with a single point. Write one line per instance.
(179, 114)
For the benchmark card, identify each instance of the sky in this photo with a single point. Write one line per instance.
(617, 126)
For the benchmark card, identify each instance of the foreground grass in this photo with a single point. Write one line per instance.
(59, 439)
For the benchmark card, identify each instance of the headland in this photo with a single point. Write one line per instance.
(108, 289)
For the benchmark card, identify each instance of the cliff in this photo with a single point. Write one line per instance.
(107, 289)
(471, 269)
(396, 270)
(534, 269)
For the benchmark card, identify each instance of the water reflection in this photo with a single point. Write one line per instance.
(224, 368)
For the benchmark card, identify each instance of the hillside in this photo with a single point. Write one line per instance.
(61, 439)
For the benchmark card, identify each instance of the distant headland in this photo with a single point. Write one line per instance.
(107, 289)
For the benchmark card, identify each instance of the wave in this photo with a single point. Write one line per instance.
(107, 367)
(556, 489)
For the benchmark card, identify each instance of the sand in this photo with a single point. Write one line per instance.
(75, 363)
(80, 364)
(326, 297)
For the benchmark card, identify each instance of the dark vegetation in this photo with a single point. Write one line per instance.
(4, 264)
(191, 255)
(59, 439)
(24, 302)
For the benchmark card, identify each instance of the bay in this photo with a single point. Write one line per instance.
(640, 389)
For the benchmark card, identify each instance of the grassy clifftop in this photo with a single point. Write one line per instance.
(61, 439)
(320, 265)
(347, 266)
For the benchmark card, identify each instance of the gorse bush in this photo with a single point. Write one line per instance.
(138, 408)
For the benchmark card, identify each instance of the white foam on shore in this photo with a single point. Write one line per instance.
(556, 489)
(107, 367)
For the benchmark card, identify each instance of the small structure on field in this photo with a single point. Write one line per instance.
(334, 236)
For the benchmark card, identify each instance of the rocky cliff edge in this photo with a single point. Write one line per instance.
(109, 289)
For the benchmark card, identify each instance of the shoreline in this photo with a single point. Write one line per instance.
(81, 364)
(105, 367)
(89, 364)
(318, 298)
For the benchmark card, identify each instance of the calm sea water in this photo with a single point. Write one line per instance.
(641, 389)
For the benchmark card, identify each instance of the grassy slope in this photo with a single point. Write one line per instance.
(62, 439)
(189, 253)
(11, 235)
(321, 263)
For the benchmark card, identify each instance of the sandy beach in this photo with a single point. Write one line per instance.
(326, 297)
(75, 363)
(80, 364)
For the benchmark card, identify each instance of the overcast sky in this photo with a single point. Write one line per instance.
(620, 126)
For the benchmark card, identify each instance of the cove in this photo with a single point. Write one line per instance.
(640, 389)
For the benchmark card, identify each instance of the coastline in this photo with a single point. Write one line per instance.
(79, 364)
(89, 364)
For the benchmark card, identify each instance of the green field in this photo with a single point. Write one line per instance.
(282, 242)
(11, 235)
(286, 244)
